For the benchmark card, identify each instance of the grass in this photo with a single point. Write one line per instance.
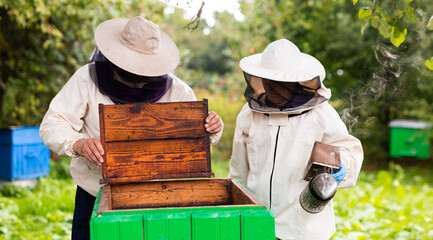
(42, 212)
(386, 204)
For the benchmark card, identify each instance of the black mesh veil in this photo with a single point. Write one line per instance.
(124, 87)
(268, 96)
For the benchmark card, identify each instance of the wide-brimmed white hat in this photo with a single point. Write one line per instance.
(282, 61)
(137, 46)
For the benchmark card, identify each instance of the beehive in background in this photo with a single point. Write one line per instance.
(23, 155)
(409, 138)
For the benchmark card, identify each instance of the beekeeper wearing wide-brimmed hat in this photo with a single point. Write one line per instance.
(133, 62)
(287, 111)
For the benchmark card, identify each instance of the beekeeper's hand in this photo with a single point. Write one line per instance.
(91, 149)
(213, 123)
(341, 173)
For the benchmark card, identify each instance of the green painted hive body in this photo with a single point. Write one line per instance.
(220, 222)
(146, 144)
(409, 139)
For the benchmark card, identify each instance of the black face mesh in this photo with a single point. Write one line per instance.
(270, 96)
(102, 72)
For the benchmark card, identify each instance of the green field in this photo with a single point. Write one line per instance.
(393, 204)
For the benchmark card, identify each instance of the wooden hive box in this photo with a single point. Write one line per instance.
(157, 185)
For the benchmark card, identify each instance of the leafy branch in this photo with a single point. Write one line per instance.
(392, 23)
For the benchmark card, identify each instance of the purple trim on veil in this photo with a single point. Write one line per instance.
(118, 92)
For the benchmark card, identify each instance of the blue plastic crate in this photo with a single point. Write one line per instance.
(23, 155)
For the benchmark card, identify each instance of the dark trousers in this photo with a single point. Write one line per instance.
(83, 209)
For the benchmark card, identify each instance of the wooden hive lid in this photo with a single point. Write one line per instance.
(326, 155)
(147, 141)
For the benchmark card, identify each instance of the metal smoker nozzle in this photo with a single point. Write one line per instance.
(324, 186)
(319, 191)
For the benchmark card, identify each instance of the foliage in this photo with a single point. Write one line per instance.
(429, 63)
(372, 81)
(227, 107)
(44, 212)
(220, 168)
(43, 42)
(400, 87)
(386, 205)
(207, 65)
(376, 54)
(207, 60)
(393, 19)
(216, 53)
(393, 27)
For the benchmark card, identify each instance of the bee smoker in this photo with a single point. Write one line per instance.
(319, 191)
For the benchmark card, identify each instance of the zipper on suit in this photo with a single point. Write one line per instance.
(273, 168)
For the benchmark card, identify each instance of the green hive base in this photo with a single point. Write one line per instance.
(195, 223)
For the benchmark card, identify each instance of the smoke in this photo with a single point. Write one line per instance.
(346, 117)
(388, 71)
(377, 85)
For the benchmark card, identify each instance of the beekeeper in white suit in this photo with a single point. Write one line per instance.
(287, 111)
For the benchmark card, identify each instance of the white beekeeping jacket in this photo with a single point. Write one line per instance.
(73, 114)
(270, 156)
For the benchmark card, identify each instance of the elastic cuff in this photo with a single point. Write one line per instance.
(69, 146)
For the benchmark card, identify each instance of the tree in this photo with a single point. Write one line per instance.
(400, 85)
(43, 42)
(372, 80)
(393, 19)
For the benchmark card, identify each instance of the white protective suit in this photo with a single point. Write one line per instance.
(73, 114)
(270, 156)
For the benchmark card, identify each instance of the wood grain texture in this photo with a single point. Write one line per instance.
(181, 193)
(102, 137)
(154, 141)
(240, 195)
(105, 200)
(138, 179)
(156, 159)
(130, 122)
